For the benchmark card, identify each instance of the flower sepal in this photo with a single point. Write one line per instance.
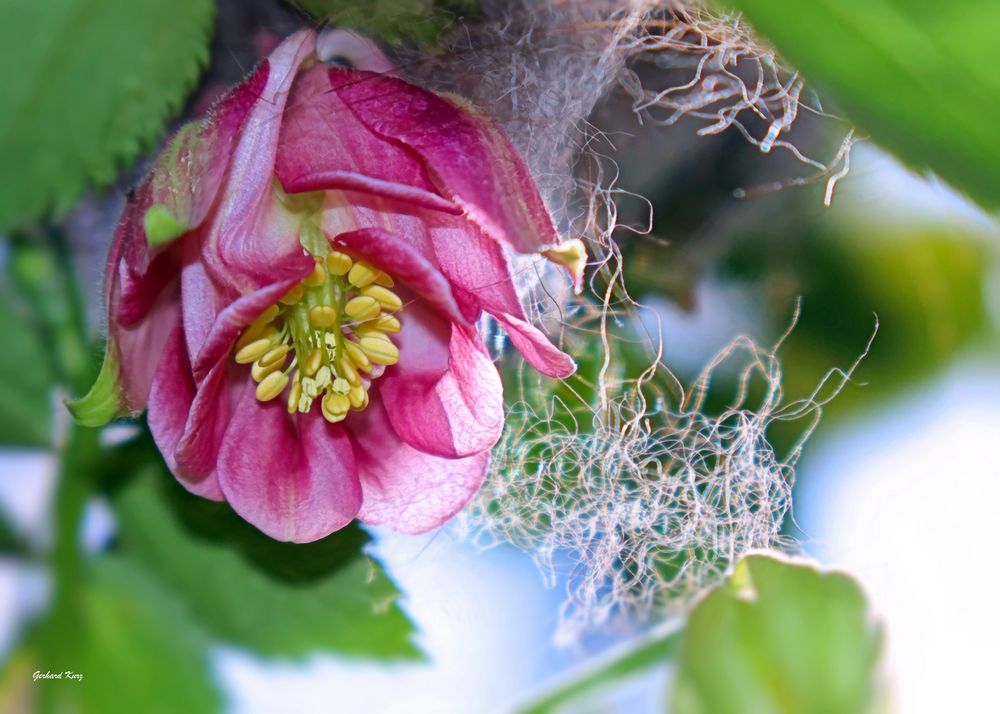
(104, 401)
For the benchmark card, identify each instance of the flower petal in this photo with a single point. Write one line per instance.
(480, 273)
(459, 413)
(406, 489)
(188, 173)
(293, 477)
(406, 263)
(231, 321)
(174, 417)
(536, 348)
(467, 155)
(323, 146)
(359, 50)
(253, 241)
(142, 303)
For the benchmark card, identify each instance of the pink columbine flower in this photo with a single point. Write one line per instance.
(294, 292)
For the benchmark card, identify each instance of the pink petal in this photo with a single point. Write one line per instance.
(457, 414)
(341, 180)
(188, 173)
(476, 264)
(405, 489)
(323, 146)
(467, 155)
(478, 267)
(357, 49)
(293, 477)
(141, 299)
(404, 263)
(228, 323)
(536, 348)
(172, 418)
(253, 240)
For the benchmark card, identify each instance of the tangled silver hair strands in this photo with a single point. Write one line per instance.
(653, 503)
(651, 494)
(729, 74)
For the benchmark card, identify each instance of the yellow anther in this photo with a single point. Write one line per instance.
(359, 397)
(258, 371)
(335, 407)
(386, 298)
(339, 263)
(274, 356)
(322, 316)
(387, 323)
(254, 333)
(253, 351)
(379, 350)
(362, 307)
(316, 278)
(357, 355)
(348, 371)
(294, 395)
(313, 362)
(310, 388)
(323, 377)
(384, 279)
(369, 330)
(341, 386)
(292, 296)
(266, 316)
(362, 274)
(271, 386)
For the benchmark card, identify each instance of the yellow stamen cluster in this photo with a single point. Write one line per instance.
(335, 326)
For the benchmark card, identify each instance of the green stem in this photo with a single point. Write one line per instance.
(46, 276)
(629, 659)
(62, 634)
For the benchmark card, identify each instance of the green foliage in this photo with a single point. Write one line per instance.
(778, 639)
(28, 380)
(421, 22)
(925, 287)
(88, 84)
(143, 652)
(921, 80)
(279, 599)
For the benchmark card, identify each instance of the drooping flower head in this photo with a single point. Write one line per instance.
(294, 293)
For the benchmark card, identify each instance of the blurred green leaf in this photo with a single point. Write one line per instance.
(629, 660)
(88, 85)
(925, 286)
(778, 638)
(923, 82)
(27, 378)
(418, 21)
(143, 652)
(279, 599)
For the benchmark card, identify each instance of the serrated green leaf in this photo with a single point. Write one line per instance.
(279, 599)
(104, 401)
(142, 650)
(778, 638)
(923, 82)
(88, 84)
(28, 380)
